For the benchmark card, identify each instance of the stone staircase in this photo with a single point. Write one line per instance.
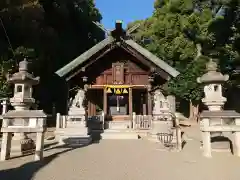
(75, 133)
(119, 130)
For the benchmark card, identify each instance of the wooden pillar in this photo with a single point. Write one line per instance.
(105, 101)
(130, 99)
(86, 101)
(94, 109)
(89, 108)
(130, 102)
(149, 100)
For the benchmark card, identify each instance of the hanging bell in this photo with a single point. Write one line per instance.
(109, 90)
(118, 91)
(125, 91)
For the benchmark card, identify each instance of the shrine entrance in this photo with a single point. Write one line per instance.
(119, 76)
(118, 102)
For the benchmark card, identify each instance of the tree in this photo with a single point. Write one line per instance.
(55, 31)
(185, 33)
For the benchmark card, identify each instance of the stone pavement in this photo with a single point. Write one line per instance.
(125, 160)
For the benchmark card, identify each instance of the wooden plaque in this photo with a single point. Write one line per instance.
(118, 73)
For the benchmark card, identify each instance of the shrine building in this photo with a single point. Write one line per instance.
(118, 76)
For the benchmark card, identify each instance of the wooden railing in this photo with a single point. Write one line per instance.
(142, 122)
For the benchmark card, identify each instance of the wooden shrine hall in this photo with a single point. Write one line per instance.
(118, 76)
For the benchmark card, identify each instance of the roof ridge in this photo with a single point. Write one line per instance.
(109, 40)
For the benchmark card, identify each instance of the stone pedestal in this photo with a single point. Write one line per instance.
(76, 114)
(21, 144)
(75, 134)
(160, 127)
(214, 104)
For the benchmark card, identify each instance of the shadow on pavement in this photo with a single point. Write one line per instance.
(27, 171)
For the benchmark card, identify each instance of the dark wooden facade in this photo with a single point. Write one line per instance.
(118, 76)
(118, 70)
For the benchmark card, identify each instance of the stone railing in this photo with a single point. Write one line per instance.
(142, 122)
(61, 121)
(220, 121)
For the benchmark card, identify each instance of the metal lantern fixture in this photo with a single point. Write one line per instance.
(85, 79)
(151, 78)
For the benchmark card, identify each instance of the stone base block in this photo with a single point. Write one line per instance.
(221, 146)
(119, 134)
(153, 138)
(119, 125)
(22, 147)
(75, 140)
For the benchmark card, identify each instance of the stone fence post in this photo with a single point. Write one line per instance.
(134, 120)
(58, 121)
(4, 106)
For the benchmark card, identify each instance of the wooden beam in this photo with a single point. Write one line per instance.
(105, 101)
(100, 56)
(127, 73)
(138, 56)
(82, 69)
(163, 74)
(100, 86)
(142, 59)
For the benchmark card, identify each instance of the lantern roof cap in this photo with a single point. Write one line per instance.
(23, 76)
(212, 75)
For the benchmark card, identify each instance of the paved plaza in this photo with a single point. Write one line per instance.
(124, 160)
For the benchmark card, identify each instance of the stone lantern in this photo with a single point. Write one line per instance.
(213, 98)
(212, 81)
(23, 82)
(22, 100)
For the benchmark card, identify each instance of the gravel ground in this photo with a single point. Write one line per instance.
(124, 160)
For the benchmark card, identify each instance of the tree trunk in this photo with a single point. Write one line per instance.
(193, 111)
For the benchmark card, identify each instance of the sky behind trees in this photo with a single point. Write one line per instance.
(125, 10)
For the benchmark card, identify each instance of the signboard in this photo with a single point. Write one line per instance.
(118, 73)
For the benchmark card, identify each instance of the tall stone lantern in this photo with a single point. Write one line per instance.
(213, 98)
(23, 82)
(212, 81)
(22, 100)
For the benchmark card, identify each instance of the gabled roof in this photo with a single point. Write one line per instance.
(160, 63)
(108, 41)
(85, 56)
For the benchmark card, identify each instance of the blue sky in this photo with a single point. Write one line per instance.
(125, 10)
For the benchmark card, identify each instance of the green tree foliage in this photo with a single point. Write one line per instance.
(51, 33)
(57, 30)
(185, 32)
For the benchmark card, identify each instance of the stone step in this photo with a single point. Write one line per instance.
(71, 133)
(75, 125)
(119, 131)
(76, 140)
(115, 134)
(118, 125)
